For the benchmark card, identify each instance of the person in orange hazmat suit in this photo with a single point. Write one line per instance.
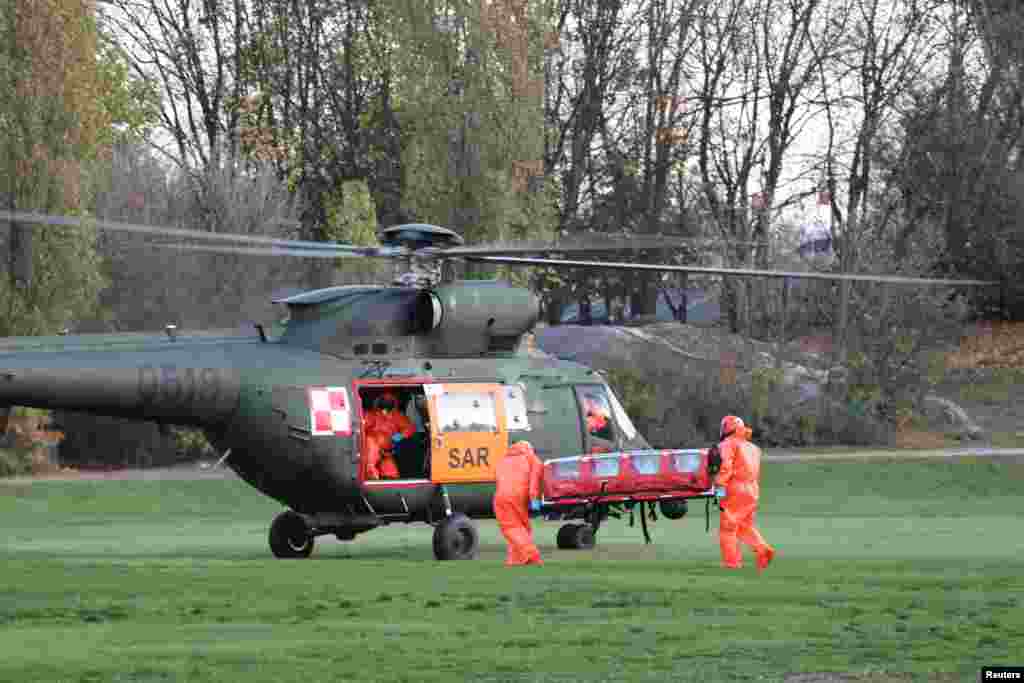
(738, 490)
(597, 418)
(384, 426)
(517, 494)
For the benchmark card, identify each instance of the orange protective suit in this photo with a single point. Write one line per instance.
(379, 425)
(597, 419)
(518, 479)
(739, 475)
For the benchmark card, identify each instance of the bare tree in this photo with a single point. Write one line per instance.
(663, 136)
(756, 67)
(251, 82)
(885, 51)
(592, 58)
(152, 285)
(955, 185)
(193, 51)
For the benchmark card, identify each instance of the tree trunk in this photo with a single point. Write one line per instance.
(385, 183)
(553, 314)
(606, 296)
(731, 303)
(21, 254)
(684, 303)
(586, 316)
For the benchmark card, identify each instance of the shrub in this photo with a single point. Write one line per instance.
(765, 386)
(681, 406)
(637, 396)
(15, 461)
(92, 440)
(191, 444)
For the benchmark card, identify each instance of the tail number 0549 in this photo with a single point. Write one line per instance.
(170, 385)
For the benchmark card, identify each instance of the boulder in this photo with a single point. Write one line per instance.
(951, 417)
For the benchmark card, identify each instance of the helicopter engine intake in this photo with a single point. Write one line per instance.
(473, 317)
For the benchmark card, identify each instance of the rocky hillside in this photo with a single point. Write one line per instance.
(678, 380)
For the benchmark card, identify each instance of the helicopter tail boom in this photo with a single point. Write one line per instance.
(185, 386)
(194, 396)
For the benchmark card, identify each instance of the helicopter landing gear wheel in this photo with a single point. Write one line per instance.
(456, 538)
(566, 538)
(290, 536)
(586, 537)
(576, 537)
(673, 509)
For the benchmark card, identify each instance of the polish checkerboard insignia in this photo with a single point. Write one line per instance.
(330, 411)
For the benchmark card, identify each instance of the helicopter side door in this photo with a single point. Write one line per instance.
(468, 434)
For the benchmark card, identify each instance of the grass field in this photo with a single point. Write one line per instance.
(913, 568)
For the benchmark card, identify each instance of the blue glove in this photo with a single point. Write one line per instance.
(719, 492)
(395, 438)
(535, 506)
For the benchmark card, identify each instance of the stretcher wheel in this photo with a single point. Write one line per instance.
(566, 539)
(456, 538)
(673, 509)
(290, 536)
(586, 537)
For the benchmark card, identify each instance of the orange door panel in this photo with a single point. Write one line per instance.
(468, 432)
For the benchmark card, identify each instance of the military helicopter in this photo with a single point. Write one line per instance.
(288, 413)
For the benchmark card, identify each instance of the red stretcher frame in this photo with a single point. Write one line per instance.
(627, 476)
(592, 487)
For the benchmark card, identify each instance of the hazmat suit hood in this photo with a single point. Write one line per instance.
(386, 401)
(731, 425)
(520, 448)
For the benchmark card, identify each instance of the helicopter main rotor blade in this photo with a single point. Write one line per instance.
(747, 272)
(266, 251)
(35, 219)
(468, 252)
(597, 243)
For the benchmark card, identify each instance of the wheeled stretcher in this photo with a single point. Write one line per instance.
(594, 487)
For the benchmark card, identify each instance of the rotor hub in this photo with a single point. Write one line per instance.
(418, 236)
(422, 247)
(417, 271)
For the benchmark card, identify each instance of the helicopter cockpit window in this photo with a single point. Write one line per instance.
(628, 430)
(597, 413)
(515, 408)
(467, 412)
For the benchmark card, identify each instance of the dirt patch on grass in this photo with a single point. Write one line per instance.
(917, 438)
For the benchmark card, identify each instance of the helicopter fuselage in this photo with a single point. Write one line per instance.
(277, 450)
(290, 413)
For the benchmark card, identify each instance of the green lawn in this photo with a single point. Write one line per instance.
(900, 567)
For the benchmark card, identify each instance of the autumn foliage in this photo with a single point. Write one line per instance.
(58, 102)
(991, 345)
